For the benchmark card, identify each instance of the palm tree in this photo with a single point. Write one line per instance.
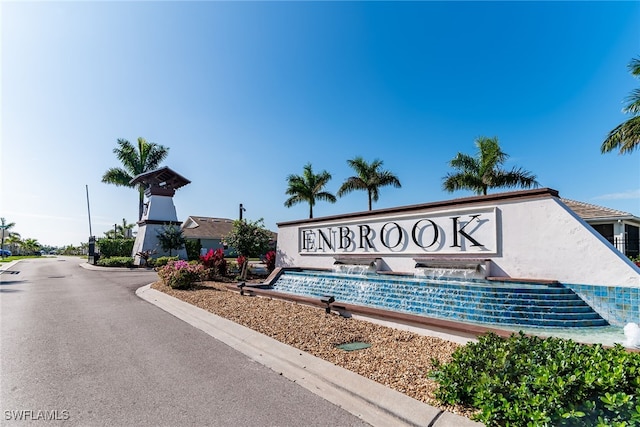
(626, 136)
(308, 188)
(5, 230)
(13, 241)
(369, 177)
(125, 230)
(145, 158)
(30, 246)
(483, 172)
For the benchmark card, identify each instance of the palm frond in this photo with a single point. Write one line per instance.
(625, 137)
(634, 67)
(351, 184)
(633, 102)
(117, 176)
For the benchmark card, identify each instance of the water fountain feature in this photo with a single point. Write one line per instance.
(471, 300)
(514, 260)
(632, 335)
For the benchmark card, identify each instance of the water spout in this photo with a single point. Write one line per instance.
(632, 335)
(354, 269)
(449, 273)
(430, 268)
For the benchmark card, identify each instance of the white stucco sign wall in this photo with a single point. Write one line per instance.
(525, 234)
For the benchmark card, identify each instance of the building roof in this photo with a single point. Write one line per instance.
(588, 211)
(202, 227)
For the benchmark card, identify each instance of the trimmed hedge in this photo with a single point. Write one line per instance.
(115, 247)
(531, 381)
(116, 261)
(162, 261)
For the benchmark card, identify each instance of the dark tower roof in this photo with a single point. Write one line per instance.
(161, 182)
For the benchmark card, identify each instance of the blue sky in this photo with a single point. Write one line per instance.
(247, 93)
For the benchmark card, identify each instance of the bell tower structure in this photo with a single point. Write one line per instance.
(160, 187)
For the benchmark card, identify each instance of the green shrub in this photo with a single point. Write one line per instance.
(162, 261)
(115, 247)
(193, 248)
(530, 381)
(116, 261)
(181, 274)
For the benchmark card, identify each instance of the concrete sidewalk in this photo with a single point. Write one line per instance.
(374, 403)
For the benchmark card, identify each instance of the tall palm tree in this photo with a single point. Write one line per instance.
(145, 158)
(369, 177)
(5, 230)
(626, 136)
(30, 246)
(308, 187)
(483, 171)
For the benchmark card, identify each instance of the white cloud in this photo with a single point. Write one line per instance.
(625, 195)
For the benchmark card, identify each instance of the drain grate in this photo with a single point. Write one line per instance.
(9, 272)
(352, 346)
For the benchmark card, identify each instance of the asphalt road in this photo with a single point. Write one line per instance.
(79, 348)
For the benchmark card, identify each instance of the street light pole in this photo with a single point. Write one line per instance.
(242, 209)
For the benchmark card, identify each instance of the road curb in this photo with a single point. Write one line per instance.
(372, 402)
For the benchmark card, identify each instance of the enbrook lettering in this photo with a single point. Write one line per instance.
(420, 234)
(36, 415)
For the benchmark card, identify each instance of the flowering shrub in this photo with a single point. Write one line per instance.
(181, 274)
(241, 260)
(214, 260)
(270, 261)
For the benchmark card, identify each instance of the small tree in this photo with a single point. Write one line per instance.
(170, 238)
(250, 239)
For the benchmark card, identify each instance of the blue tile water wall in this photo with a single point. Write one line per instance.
(478, 301)
(618, 305)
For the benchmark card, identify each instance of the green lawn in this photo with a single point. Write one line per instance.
(18, 257)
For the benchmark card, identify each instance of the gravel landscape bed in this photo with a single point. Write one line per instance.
(398, 359)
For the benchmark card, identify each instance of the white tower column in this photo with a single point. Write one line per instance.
(160, 212)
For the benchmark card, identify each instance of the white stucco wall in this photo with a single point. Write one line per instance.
(161, 208)
(538, 237)
(160, 211)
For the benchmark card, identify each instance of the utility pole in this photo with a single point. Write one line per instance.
(242, 209)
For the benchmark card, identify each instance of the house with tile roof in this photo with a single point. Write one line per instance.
(210, 233)
(621, 229)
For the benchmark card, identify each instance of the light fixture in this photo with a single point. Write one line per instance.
(328, 299)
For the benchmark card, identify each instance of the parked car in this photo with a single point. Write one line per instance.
(5, 253)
